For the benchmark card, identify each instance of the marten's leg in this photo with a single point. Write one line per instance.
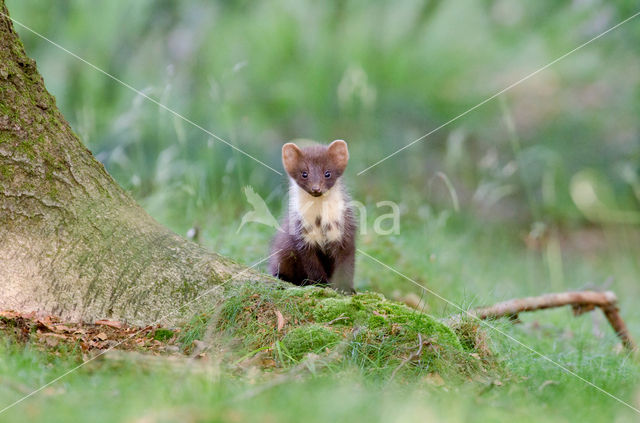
(300, 267)
(342, 277)
(313, 268)
(286, 265)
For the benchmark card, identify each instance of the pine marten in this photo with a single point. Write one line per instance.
(317, 242)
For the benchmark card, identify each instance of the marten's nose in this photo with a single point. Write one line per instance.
(315, 190)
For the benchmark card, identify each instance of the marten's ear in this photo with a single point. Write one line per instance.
(291, 156)
(339, 154)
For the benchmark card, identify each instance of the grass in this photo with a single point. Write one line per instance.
(126, 392)
(245, 385)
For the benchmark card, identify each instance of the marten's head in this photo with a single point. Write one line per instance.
(315, 168)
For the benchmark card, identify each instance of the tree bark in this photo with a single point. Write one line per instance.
(72, 242)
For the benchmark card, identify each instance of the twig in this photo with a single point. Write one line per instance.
(341, 317)
(580, 301)
(413, 356)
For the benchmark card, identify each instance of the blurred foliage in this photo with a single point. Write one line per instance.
(378, 75)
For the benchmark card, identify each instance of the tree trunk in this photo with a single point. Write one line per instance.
(72, 242)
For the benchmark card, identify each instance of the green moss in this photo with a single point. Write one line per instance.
(27, 148)
(378, 334)
(343, 311)
(162, 334)
(6, 172)
(51, 160)
(311, 338)
(375, 312)
(4, 110)
(53, 193)
(186, 290)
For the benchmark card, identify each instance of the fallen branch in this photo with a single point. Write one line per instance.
(580, 301)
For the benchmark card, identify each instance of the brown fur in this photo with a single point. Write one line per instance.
(315, 160)
(295, 258)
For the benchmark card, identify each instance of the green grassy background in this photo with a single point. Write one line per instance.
(378, 75)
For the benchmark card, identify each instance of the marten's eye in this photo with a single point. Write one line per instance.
(327, 174)
(304, 174)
